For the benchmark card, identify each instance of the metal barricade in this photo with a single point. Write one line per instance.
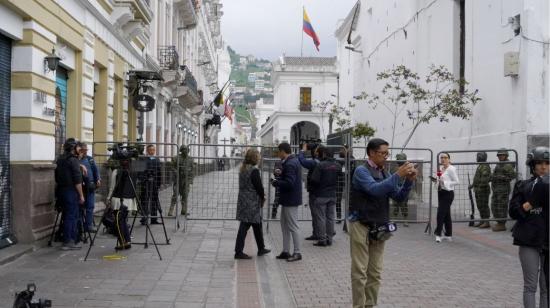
(466, 166)
(168, 192)
(417, 208)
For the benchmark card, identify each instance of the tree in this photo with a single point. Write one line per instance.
(438, 96)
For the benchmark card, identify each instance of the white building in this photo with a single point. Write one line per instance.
(514, 110)
(259, 85)
(252, 77)
(299, 83)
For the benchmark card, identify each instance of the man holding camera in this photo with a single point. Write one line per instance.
(68, 178)
(310, 165)
(372, 187)
(93, 181)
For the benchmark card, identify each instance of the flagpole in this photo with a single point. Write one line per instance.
(302, 45)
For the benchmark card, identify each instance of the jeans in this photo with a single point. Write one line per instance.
(445, 198)
(367, 258)
(532, 265)
(89, 210)
(241, 236)
(325, 211)
(70, 214)
(289, 227)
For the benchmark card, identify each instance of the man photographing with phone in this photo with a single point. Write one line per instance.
(371, 188)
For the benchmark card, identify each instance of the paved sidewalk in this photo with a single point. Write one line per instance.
(417, 271)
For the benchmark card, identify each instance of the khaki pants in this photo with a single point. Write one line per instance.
(366, 266)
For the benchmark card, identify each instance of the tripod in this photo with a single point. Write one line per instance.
(122, 180)
(82, 223)
(149, 184)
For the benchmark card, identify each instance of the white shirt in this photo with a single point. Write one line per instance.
(449, 178)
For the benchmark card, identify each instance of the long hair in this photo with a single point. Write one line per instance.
(251, 158)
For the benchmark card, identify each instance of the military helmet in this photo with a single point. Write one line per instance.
(481, 156)
(538, 154)
(502, 152)
(401, 156)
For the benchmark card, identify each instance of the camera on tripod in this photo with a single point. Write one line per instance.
(123, 152)
(312, 144)
(24, 299)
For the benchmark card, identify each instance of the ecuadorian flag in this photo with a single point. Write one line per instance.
(308, 29)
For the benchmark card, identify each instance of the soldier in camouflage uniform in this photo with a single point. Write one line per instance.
(185, 174)
(402, 206)
(482, 189)
(502, 175)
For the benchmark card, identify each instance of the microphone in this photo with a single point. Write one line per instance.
(439, 173)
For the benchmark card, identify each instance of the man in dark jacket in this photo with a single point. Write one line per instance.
(324, 181)
(289, 184)
(309, 164)
(529, 206)
(151, 181)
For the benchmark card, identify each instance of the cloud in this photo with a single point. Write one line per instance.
(267, 28)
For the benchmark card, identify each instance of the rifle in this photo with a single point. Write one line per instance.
(472, 213)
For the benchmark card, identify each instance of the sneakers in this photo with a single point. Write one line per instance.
(484, 225)
(71, 246)
(284, 255)
(499, 227)
(263, 252)
(295, 257)
(311, 238)
(447, 238)
(321, 244)
(242, 256)
(126, 246)
(438, 239)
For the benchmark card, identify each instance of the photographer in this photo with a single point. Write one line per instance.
(68, 178)
(310, 164)
(323, 181)
(92, 181)
(529, 206)
(151, 180)
(372, 187)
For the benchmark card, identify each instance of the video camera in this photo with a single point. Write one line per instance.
(311, 143)
(123, 152)
(24, 299)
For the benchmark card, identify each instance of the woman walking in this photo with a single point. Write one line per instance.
(529, 207)
(249, 204)
(447, 179)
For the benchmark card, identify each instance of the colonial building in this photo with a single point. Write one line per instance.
(500, 47)
(300, 84)
(73, 68)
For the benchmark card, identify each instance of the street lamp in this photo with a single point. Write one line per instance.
(51, 62)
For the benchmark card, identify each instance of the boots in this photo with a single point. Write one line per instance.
(499, 226)
(484, 225)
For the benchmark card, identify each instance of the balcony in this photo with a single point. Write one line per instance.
(187, 11)
(305, 107)
(168, 58)
(187, 92)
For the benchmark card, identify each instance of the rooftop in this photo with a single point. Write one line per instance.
(310, 61)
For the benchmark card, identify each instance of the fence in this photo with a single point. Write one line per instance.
(466, 166)
(169, 165)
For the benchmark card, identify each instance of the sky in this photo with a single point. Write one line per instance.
(267, 28)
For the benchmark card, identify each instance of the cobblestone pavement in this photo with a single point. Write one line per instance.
(478, 269)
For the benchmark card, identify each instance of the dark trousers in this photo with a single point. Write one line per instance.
(445, 199)
(150, 203)
(122, 231)
(89, 211)
(241, 236)
(70, 215)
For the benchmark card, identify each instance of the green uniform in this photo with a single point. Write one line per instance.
(182, 178)
(503, 174)
(482, 190)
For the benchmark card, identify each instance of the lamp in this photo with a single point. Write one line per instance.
(179, 125)
(144, 103)
(51, 62)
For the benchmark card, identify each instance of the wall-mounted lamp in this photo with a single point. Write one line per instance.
(51, 62)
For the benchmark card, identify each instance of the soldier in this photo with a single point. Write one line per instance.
(482, 189)
(502, 175)
(185, 174)
(401, 206)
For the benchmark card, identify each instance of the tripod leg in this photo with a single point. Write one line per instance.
(162, 221)
(153, 240)
(53, 229)
(92, 239)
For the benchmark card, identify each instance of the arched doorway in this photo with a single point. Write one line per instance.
(303, 130)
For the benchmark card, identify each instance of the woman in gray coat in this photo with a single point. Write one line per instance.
(249, 204)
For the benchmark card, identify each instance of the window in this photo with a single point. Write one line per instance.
(305, 99)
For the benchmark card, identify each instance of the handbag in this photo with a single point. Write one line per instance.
(109, 220)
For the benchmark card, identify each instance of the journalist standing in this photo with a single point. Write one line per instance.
(445, 196)
(324, 180)
(310, 164)
(289, 184)
(92, 182)
(151, 181)
(250, 201)
(529, 207)
(372, 187)
(68, 178)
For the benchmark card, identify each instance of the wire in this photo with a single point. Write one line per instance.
(534, 40)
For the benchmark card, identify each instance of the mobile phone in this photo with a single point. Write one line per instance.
(433, 178)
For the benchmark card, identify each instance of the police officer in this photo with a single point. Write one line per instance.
(68, 178)
(93, 181)
(482, 189)
(502, 175)
(184, 180)
(401, 206)
(529, 206)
